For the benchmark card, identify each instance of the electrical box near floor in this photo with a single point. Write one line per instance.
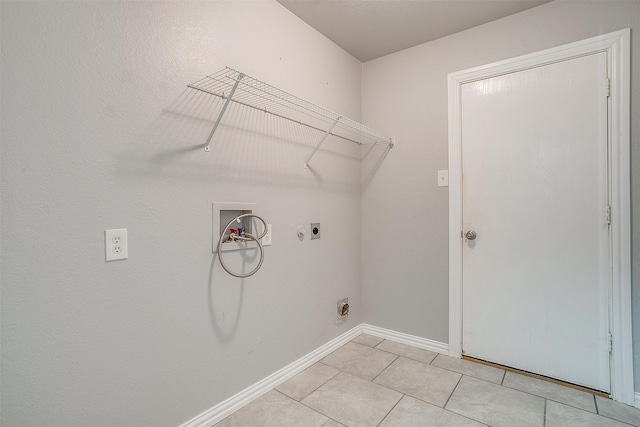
(223, 212)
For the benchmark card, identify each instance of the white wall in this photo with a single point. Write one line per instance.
(98, 131)
(405, 280)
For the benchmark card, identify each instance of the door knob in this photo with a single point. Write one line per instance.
(470, 235)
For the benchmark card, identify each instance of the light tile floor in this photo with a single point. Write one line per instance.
(374, 382)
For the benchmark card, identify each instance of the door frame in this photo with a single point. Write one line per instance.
(617, 46)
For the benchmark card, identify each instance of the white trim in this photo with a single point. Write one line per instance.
(402, 338)
(617, 46)
(637, 400)
(224, 409)
(622, 387)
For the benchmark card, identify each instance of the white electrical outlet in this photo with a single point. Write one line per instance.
(266, 240)
(115, 244)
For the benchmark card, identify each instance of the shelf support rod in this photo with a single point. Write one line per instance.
(326, 134)
(224, 108)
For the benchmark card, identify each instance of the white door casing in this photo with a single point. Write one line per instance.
(616, 46)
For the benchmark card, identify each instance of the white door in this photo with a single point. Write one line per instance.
(536, 279)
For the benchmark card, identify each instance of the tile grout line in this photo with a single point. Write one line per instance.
(616, 420)
(546, 398)
(452, 391)
(405, 356)
(315, 389)
(394, 407)
(495, 385)
(306, 406)
(404, 395)
(549, 398)
(340, 371)
(315, 410)
(501, 384)
(432, 360)
(533, 375)
(385, 368)
(447, 410)
(398, 356)
(463, 373)
(595, 400)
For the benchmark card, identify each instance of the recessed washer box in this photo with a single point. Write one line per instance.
(223, 212)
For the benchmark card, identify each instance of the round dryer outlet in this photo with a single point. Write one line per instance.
(315, 230)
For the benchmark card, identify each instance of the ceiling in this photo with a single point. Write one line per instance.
(368, 29)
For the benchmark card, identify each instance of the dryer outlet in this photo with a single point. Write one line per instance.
(315, 230)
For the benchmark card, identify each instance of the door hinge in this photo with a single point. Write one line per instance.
(610, 342)
(608, 87)
(609, 214)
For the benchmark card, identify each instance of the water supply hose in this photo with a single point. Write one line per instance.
(243, 236)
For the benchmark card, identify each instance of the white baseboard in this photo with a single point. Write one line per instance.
(232, 404)
(402, 338)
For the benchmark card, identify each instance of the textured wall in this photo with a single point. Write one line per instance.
(405, 280)
(99, 131)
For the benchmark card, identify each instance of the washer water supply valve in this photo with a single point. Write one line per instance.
(236, 234)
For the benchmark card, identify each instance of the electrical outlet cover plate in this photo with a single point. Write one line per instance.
(115, 244)
(266, 240)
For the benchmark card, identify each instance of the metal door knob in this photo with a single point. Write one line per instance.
(470, 235)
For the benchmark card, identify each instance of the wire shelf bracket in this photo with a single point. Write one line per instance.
(250, 92)
(224, 108)
(327, 133)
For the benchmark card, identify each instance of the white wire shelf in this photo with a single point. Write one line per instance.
(234, 86)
